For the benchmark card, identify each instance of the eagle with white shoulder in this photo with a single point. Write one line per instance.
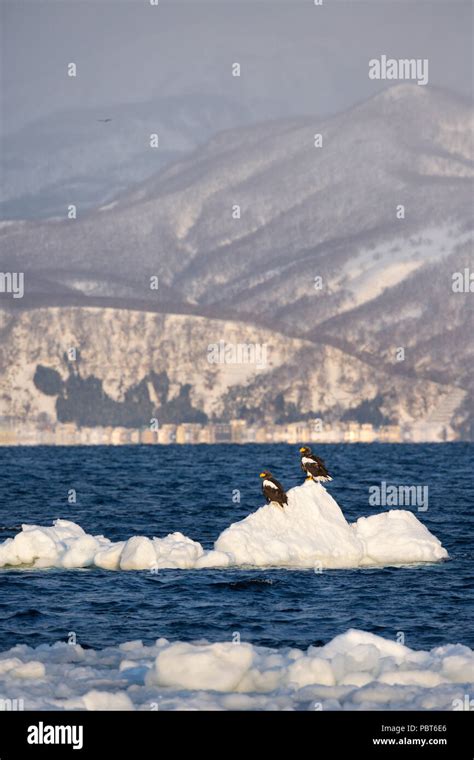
(313, 466)
(273, 490)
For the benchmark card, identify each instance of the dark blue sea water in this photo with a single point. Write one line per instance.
(154, 490)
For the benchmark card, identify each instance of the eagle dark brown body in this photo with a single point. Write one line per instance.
(313, 466)
(272, 489)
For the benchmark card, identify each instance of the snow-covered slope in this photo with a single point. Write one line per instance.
(354, 671)
(310, 532)
(317, 380)
(75, 155)
(306, 212)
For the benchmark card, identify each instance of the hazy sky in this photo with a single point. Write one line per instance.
(297, 57)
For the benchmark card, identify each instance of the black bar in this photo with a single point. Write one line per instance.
(445, 734)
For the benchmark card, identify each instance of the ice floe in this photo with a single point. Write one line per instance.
(311, 531)
(356, 670)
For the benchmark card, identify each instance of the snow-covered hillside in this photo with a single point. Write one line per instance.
(306, 212)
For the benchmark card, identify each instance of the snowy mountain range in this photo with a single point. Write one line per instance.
(349, 247)
(88, 156)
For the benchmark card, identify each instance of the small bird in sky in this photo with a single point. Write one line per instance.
(104, 121)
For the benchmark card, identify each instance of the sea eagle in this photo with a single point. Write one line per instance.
(313, 466)
(273, 490)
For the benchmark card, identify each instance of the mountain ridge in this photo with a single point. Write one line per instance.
(306, 213)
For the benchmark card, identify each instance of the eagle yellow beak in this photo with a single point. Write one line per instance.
(302, 449)
(262, 475)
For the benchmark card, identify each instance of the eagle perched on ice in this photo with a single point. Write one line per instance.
(272, 489)
(313, 466)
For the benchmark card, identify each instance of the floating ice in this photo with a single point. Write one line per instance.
(65, 544)
(354, 671)
(310, 531)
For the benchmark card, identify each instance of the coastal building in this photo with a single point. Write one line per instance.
(8, 431)
(115, 436)
(222, 432)
(367, 433)
(205, 434)
(351, 432)
(238, 431)
(66, 434)
(188, 432)
(167, 433)
(389, 434)
(149, 436)
(15, 432)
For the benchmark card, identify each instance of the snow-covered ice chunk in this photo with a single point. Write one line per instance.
(313, 532)
(310, 532)
(356, 670)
